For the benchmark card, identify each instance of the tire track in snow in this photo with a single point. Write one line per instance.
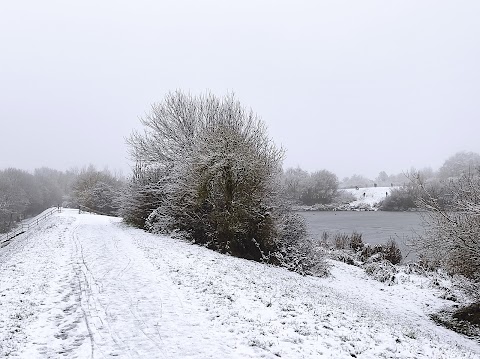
(54, 327)
(129, 310)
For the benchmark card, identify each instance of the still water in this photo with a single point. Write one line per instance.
(375, 227)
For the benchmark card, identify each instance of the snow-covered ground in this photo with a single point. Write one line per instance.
(87, 286)
(370, 196)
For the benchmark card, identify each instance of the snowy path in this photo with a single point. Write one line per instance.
(86, 286)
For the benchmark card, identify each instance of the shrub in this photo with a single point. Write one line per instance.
(344, 197)
(470, 314)
(400, 199)
(383, 271)
(222, 187)
(356, 242)
(345, 241)
(451, 237)
(341, 241)
(391, 252)
(382, 252)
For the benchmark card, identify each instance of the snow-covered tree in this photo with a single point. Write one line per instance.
(382, 179)
(459, 164)
(142, 194)
(356, 181)
(222, 176)
(13, 201)
(321, 187)
(295, 182)
(96, 190)
(452, 231)
(401, 198)
(49, 182)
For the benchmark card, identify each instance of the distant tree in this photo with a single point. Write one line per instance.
(27, 183)
(452, 231)
(49, 182)
(321, 188)
(13, 201)
(97, 190)
(399, 179)
(427, 173)
(356, 180)
(459, 164)
(295, 181)
(382, 178)
(401, 198)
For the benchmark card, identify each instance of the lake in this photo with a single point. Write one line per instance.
(375, 227)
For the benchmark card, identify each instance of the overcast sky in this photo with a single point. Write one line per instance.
(349, 86)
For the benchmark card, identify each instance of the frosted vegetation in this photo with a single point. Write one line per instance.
(88, 286)
(206, 172)
(220, 183)
(23, 194)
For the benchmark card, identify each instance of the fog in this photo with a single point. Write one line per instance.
(349, 86)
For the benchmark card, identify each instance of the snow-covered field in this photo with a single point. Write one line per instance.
(87, 286)
(368, 195)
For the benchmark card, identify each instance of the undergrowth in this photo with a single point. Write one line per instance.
(382, 262)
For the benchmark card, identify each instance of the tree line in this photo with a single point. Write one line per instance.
(207, 171)
(438, 184)
(25, 194)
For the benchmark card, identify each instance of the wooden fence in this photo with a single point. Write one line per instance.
(5, 238)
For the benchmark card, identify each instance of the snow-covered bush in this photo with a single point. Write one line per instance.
(341, 241)
(400, 199)
(345, 241)
(452, 235)
(141, 195)
(391, 252)
(222, 184)
(297, 252)
(96, 190)
(344, 197)
(345, 256)
(383, 271)
(383, 251)
(356, 242)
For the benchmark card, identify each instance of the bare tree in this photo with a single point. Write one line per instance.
(452, 230)
(13, 201)
(295, 182)
(459, 164)
(321, 187)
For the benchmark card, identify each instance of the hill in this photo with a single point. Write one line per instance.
(87, 286)
(368, 197)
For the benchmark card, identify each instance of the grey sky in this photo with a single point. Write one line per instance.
(349, 86)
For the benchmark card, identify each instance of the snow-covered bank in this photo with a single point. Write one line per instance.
(366, 199)
(368, 196)
(87, 286)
